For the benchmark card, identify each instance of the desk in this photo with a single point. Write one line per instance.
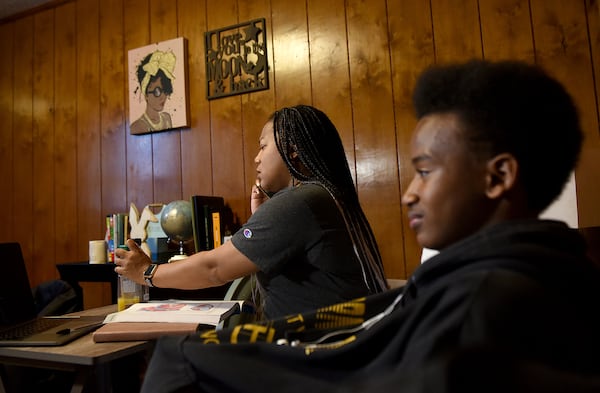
(89, 360)
(77, 272)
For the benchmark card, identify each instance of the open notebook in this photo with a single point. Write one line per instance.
(19, 324)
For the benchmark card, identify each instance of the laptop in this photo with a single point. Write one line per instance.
(19, 324)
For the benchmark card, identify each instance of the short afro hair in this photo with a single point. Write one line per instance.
(513, 107)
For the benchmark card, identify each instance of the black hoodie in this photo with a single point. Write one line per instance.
(514, 307)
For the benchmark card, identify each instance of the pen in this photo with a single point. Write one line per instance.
(63, 332)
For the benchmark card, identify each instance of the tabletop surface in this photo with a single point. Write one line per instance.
(82, 351)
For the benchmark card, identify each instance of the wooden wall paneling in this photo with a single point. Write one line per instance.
(257, 106)
(375, 139)
(112, 130)
(196, 159)
(23, 138)
(593, 19)
(166, 145)
(65, 134)
(226, 125)
(7, 158)
(562, 45)
(140, 170)
(506, 30)
(411, 47)
(456, 30)
(291, 54)
(43, 148)
(330, 75)
(112, 110)
(90, 223)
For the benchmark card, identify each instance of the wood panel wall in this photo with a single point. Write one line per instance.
(67, 158)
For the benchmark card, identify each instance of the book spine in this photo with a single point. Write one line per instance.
(208, 232)
(120, 225)
(115, 225)
(195, 223)
(110, 240)
(216, 226)
(125, 228)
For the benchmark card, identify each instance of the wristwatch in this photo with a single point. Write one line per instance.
(149, 273)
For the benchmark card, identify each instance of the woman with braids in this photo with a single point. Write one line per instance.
(308, 240)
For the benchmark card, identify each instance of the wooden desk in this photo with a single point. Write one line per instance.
(89, 360)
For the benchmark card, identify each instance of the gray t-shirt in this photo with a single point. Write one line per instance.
(299, 241)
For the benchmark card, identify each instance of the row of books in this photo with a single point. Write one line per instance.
(212, 223)
(117, 232)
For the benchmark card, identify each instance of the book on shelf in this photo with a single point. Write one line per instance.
(146, 321)
(121, 228)
(216, 228)
(117, 232)
(110, 239)
(206, 221)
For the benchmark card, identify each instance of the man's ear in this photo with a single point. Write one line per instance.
(502, 172)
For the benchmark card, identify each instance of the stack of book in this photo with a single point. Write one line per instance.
(146, 321)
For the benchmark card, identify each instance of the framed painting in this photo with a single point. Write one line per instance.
(157, 87)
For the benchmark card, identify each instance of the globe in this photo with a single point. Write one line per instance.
(176, 221)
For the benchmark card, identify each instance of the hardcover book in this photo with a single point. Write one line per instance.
(203, 224)
(208, 312)
(147, 321)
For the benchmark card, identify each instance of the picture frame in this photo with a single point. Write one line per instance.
(157, 76)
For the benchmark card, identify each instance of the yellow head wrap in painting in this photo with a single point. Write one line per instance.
(159, 60)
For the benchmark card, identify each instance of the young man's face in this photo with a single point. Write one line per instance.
(271, 171)
(446, 199)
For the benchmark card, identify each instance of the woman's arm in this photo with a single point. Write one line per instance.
(201, 270)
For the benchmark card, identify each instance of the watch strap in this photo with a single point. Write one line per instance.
(149, 274)
(149, 282)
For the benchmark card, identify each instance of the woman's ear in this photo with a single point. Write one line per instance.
(502, 173)
(292, 152)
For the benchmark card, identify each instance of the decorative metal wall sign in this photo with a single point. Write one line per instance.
(236, 59)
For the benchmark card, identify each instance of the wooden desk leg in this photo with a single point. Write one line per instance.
(103, 378)
(81, 377)
(99, 378)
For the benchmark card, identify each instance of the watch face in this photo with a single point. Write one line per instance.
(150, 271)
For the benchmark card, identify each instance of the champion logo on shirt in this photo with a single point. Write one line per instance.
(247, 233)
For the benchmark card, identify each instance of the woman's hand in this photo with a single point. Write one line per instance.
(132, 264)
(258, 197)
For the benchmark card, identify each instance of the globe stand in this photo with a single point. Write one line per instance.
(180, 256)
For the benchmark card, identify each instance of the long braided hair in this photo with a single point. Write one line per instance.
(305, 134)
